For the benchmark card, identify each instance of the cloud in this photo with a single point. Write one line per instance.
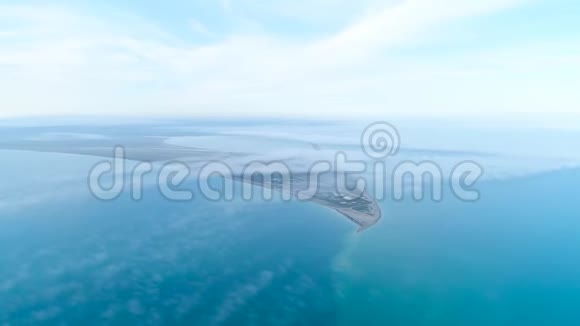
(238, 297)
(404, 22)
(201, 29)
(73, 62)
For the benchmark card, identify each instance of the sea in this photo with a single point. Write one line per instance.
(509, 258)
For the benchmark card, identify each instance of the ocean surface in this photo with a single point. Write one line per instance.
(67, 258)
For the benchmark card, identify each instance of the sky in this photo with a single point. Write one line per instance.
(301, 58)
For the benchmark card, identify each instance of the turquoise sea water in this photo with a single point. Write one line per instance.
(82, 261)
(509, 259)
(67, 258)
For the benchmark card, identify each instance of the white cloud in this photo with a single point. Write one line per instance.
(404, 22)
(237, 298)
(199, 28)
(73, 63)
